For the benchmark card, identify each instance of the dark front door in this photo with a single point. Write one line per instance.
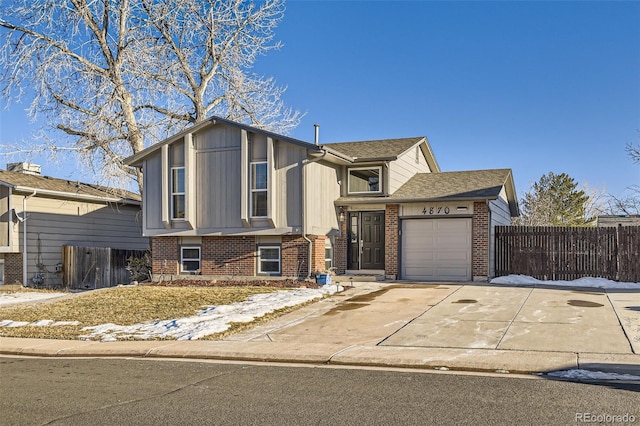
(366, 240)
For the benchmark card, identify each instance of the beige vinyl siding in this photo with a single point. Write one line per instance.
(322, 190)
(288, 184)
(217, 137)
(152, 194)
(218, 193)
(53, 223)
(403, 169)
(500, 215)
(5, 217)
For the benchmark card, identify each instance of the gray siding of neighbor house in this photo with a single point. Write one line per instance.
(53, 223)
(322, 190)
(152, 194)
(403, 169)
(500, 216)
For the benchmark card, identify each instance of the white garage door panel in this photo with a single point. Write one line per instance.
(436, 249)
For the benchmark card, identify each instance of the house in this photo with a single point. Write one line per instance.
(226, 199)
(54, 213)
(618, 220)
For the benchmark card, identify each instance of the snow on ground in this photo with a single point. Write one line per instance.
(213, 319)
(21, 297)
(580, 374)
(581, 282)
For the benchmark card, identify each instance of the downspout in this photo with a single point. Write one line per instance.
(24, 238)
(304, 208)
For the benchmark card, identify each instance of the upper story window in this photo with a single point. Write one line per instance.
(177, 193)
(259, 192)
(365, 180)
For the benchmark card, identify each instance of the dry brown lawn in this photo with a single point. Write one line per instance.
(127, 306)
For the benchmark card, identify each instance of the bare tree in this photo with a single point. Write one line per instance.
(114, 76)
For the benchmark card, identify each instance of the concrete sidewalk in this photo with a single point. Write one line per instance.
(453, 326)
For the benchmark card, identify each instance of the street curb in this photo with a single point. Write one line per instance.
(481, 360)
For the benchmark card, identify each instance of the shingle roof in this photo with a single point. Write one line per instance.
(72, 188)
(384, 148)
(465, 185)
(470, 184)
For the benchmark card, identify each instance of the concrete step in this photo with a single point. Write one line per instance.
(357, 278)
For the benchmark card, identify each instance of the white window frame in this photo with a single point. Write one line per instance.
(253, 190)
(379, 191)
(328, 246)
(174, 193)
(190, 259)
(260, 260)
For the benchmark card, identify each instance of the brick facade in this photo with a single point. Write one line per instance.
(340, 244)
(12, 268)
(391, 242)
(237, 256)
(228, 256)
(165, 255)
(480, 242)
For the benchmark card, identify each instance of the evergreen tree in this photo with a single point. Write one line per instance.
(555, 201)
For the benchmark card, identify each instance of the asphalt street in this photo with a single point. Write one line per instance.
(37, 391)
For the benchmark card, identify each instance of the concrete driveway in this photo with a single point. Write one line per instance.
(467, 316)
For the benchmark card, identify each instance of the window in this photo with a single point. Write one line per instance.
(1, 271)
(269, 260)
(328, 255)
(258, 180)
(363, 180)
(189, 259)
(177, 193)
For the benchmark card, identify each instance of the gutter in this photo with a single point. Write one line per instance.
(304, 207)
(78, 196)
(24, 237)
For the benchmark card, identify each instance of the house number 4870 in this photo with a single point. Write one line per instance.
(435, 210)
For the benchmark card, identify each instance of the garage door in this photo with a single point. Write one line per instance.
(436, 249)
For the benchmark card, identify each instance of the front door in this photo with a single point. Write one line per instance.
(366, 240)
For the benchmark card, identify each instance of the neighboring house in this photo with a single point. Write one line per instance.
(615, 220)
(59, 212)
(226, 199)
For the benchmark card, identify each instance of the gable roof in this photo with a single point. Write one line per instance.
(382, 149)
(63, 188)
(472, 185)
(136, 159)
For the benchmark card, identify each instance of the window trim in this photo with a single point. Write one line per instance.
(260, 260)
(174, 193)
(253, 190)
(379, 191)
(190, 259)
(328, 246)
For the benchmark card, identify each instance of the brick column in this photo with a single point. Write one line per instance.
(480, 244)
(317, 254)
(391, 228)
(340, 244)
(165, 255)
(295, 256)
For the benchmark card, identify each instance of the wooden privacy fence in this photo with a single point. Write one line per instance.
(95, 267)
(568, 253)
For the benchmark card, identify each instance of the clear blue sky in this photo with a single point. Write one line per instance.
(532, 86)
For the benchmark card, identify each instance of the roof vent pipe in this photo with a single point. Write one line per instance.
(317, 133)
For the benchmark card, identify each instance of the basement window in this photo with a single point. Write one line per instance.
(190, 259)
(269, 260)
(363, 180)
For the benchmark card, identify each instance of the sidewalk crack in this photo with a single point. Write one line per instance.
(514, 318)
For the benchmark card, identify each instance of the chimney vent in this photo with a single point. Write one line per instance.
(317, 133)
(26, 168)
